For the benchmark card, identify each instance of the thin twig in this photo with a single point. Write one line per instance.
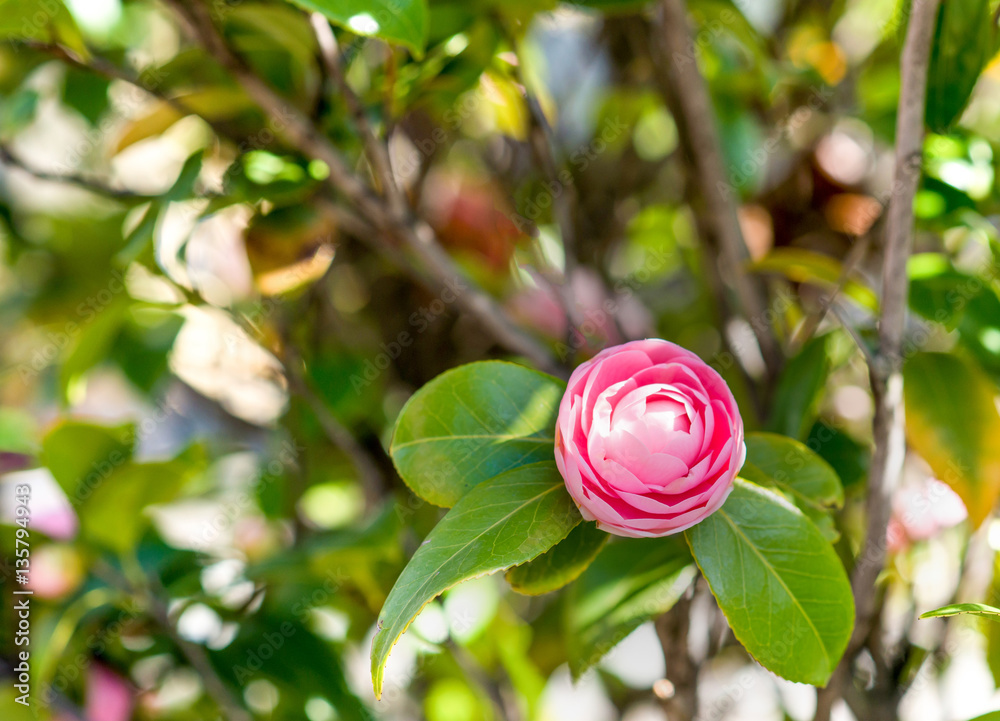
(505, 706)
(150, 592)
(854, 258)
(369, 474)
(845, 323)
(886, 372)
(375, 149)
(106, 69)
(297, 127)
(688, 93)
(200, 662)
(389, 90)
(289, 120)
(8, 157)
(565, 202)
(680, 703)
(542, 143)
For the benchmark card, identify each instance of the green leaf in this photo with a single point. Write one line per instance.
(992, 716)
(93, 340)
(965, 609)
(183, 187)
(778, 581)
(142, 347)
(808, 266)
(18, 111)
(800, 389)
(953, 423)
(963, 44)
(292, 638)
(140, 238)
(630, 582)
(473, 423)
(86, 92)
(502, 522)
(802, 476)
(399, 21)
(17, 432)
(56, 635)
(41, 20)
(111, 511)
(278, 42)
(560, 565)
(959, 301)
(935, 288)
(848, 458)
(992, 630)
(80, 455)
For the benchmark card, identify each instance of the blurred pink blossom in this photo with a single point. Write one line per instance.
(55, 571)
(539, 307)
(649, 439)
(110, 697)
(922, 511)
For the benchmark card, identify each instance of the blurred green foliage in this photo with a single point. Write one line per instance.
(204, 349)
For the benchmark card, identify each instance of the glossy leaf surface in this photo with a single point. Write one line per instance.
(503, 522)
(779, 582)
(560, 565)
(473, 423)
(789, 466)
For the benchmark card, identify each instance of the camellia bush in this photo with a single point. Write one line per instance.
(499, 360)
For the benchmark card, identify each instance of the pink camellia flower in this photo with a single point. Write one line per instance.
(649, 439)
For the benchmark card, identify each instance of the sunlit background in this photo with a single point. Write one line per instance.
(202, 357)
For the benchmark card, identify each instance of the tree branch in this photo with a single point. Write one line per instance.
(149, 590)
(687, 93)
(845, 323)
(106, 69)
(680, 698)
(375, 149)
(368, 472)
(854, 258)
(886, 371)
(9, 158)
(289, 120)
(414, 233)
